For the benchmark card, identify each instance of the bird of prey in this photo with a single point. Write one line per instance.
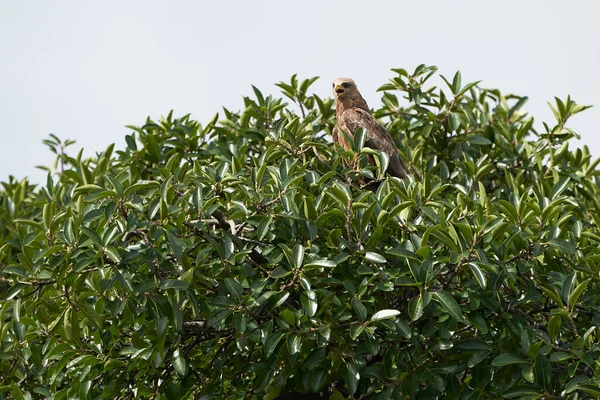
(352, 112)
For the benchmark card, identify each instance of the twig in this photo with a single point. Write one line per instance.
(261, 207)
(301, 107)
(319, 156)
(32, 282)
(575, 331)
(349, 219)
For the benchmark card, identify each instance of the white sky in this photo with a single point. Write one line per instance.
(82, 70)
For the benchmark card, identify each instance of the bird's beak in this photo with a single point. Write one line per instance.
(338, 89)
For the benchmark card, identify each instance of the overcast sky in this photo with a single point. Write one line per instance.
(82, 70)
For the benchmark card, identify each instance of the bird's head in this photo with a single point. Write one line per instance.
(344, 88)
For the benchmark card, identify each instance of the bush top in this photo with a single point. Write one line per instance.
(242, 258)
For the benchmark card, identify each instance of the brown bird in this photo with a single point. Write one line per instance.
(352, 112)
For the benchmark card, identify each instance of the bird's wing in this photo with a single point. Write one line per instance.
(377, 137)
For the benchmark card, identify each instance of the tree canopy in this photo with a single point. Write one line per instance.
(243, 258)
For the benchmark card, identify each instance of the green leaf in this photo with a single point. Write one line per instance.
(280, 272)
(477, 357)
(521, 391)
(86, 188)
(271, 343)
(288, 316)
(320, 263)
(294, 343)
(415, 307)
(15, 290)
(263, 227)
(139, 186)
(359, 309)
(402, 252)
(112, 363)
(60, 365)
(472, 344)
(16, 392)
(449, 304)
(234, 288)
(298, 256)
(554, 327)
(92, 235)
(176, 243)
(456, 83)
(115, 184)
(508, 359)
(71, 324)
(454, 119)
(151, 145)
(179, 363)
(309, 302)
(560, 356)
(591, 389)
(560, 186)
(567, 287)
(543, 371)
(551, 293)
(576, 293)
(490, 226)
(517, 106)
(478, 274)
(360, 135)
(375, 257)
(576, 383)
(562, 245)
(356, 330)
(112, 253)
(479, 140)
(384, 314)
(351, 376)
(34, 224)
(91, 314)
(280, 298)
(173, 284)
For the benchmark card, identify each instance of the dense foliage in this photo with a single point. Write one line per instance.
(243, 259)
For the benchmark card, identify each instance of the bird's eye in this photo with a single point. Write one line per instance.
(333, 84)
(345, 85)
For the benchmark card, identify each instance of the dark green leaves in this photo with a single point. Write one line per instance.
(250, 253)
